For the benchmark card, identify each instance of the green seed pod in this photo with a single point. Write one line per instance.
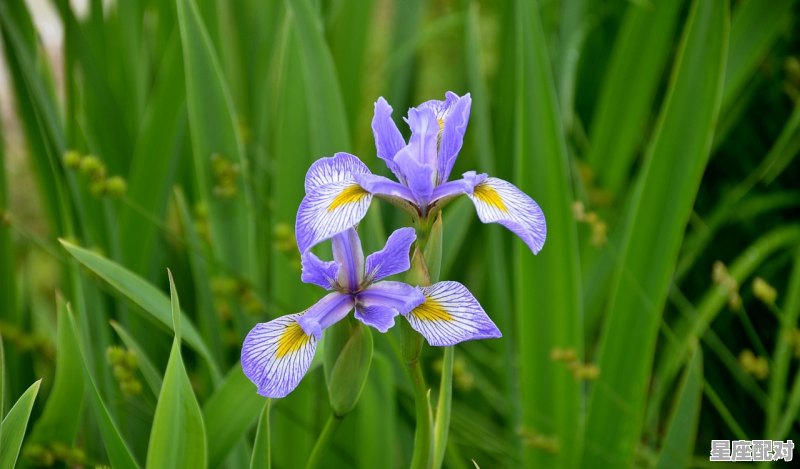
(351, 362)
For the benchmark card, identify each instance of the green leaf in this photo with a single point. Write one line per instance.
(12, 428)
(178, 436)
(149, 371)
(657, 216)
(628, 91)
(152, 300)
(679, 440)
(261, 447)
(229, 413)
(212, 122)
(62, 411)
(119, 454)
(549, 281)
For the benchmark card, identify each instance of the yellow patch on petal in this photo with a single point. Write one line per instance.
(350, 195)
(431, 310)
(488, 195)
(291, 340)
(441, 124)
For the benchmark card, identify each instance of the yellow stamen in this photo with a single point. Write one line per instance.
(431, 310)
(489, 195)
(350, 195)
(292, 339)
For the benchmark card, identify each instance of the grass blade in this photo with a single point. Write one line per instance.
(547, 282)
(149, 371)
(658, 214)
(261, 448)
(13, 427)
(142, 293)
(178, 436)
(680, 437)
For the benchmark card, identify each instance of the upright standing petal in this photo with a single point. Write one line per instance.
(388, 140)
(334, 201)
(499, 201)
(454, 125)
(276, 355)
(449, 315)
(348, 254)
(393, 258)
(318, 272)
(325, 313)
(381, 302)
(417, 160)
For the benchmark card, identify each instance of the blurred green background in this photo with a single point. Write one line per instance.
(658, 136)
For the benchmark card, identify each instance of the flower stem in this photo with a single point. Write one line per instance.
(323, 441)
(443, 406)
(421, 458)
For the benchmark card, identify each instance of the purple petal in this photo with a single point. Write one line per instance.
(325, 313)
(328, 210)
(393, 258)
(318, 272)
(417, 160)
(499, 201)
(276, 355)
(338, 168)
(455, 120)
(451, 189)
(386, 188)
(349, 256)
(388, 140)
(449, 315)
(381, 302)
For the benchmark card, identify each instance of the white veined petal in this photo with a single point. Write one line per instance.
(337, 168)
(450, 314)
(329, 210)
(276, 355)
(499, 201)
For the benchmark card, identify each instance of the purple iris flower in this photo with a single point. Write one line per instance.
(340, 189)
(277, 354)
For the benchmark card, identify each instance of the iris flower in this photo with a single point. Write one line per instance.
(277, 354)
(339, 189)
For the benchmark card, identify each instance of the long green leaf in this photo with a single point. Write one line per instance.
(119, 454)
(545, 283)
(13, 427)
(212, 122)
(152, 300)
(659, 211)
(640, 53)
(261, 448)
(61, 415)
(680, 437)
(227, 423)
(178, 436)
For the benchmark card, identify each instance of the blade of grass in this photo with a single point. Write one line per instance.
(660, 208)
(13, 427)
(228, 423)
(119, 454)
(628, 89)
(679, 440)
(178, 436)
(149, 371)
(214, 134)
(139, 291)
(62, 412)
(545, 283)
(261, 447)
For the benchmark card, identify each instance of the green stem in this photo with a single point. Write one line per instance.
(422, 435)
(442, 423)
(323, 441)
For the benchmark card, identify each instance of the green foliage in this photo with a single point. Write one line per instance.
(659, 137)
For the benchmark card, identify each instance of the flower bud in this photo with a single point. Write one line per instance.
(764, 291)
(351, 362)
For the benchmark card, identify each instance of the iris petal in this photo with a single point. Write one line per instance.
(318, 272)
(381, 302)
(276, 355)
(388, 140)
(393, 258)
(449, 315)
(499, 201)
